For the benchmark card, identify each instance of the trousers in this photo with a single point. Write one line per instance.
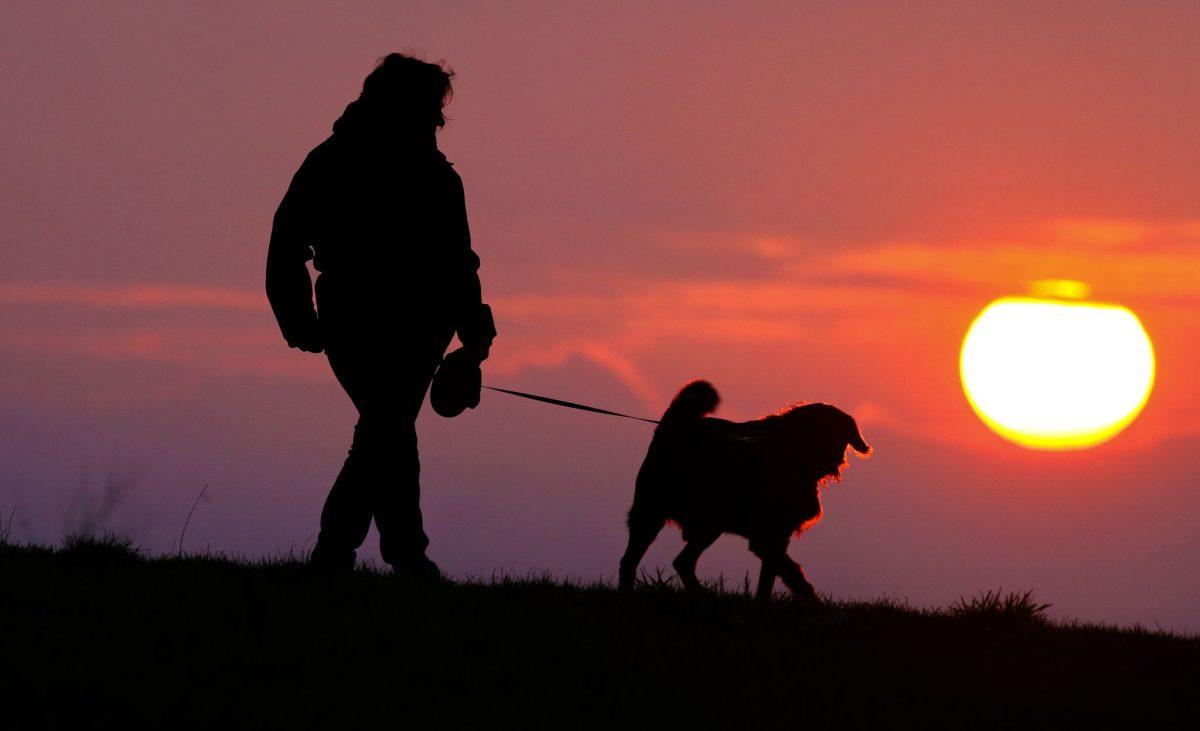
(386, 379)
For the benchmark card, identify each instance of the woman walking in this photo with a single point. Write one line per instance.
(382, 215)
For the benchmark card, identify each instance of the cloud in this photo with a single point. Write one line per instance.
(623, 368)
(209, 350)
(1145, 274)
(1101, 232)
(860, 323)
(770, 247)
(136, 297)
(1124, 232)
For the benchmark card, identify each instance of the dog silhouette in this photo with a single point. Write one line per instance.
(758, 479)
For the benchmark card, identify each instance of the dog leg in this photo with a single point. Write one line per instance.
(685, 562)
(776, 562)
(766, 582)
(794, 578)
(642, 532)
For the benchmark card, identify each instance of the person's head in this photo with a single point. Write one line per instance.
(408, 91)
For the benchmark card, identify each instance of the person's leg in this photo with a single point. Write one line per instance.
(397, 497)
(386, 377)
(346, 516)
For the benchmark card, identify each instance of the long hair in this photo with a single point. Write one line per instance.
(402, 92)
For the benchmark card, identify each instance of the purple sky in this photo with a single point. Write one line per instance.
(796, 201)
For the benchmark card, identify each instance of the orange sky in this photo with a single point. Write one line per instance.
(795, 201)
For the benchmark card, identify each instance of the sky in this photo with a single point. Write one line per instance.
(796, 201)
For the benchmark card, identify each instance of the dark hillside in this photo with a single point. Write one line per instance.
(94, 631)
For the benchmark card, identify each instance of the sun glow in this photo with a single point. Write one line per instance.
(1049, 372)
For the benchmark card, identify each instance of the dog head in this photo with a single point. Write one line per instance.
(828, 434)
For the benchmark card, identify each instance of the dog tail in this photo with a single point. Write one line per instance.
(694, 401)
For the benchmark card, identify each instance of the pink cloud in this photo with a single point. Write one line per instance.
(150, 296)
(995, 268)
(899, 306)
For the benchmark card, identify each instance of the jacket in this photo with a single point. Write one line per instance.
(382, 215)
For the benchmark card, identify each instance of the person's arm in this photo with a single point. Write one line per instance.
(289, 287)
(473, 319)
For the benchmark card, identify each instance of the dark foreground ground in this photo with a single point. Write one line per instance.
(94, 631)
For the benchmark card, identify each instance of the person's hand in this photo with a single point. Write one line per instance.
(478, 333)
(310, 346)
(478, 351)
(309, 340)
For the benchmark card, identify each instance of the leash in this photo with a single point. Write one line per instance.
(568, 404)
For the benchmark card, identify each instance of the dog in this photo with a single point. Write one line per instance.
(757, 479)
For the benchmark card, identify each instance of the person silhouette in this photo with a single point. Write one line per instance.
(382, 215)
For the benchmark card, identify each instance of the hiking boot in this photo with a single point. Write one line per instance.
(331, 562)
(418, 570)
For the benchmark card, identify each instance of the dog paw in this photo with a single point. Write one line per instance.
(807, 597)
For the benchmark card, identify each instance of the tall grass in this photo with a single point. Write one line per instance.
(999, 608)
(107, 549)
(6, 526)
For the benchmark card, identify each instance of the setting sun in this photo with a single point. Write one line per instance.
(1053, 371)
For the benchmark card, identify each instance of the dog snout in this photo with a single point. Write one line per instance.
(859, 444)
